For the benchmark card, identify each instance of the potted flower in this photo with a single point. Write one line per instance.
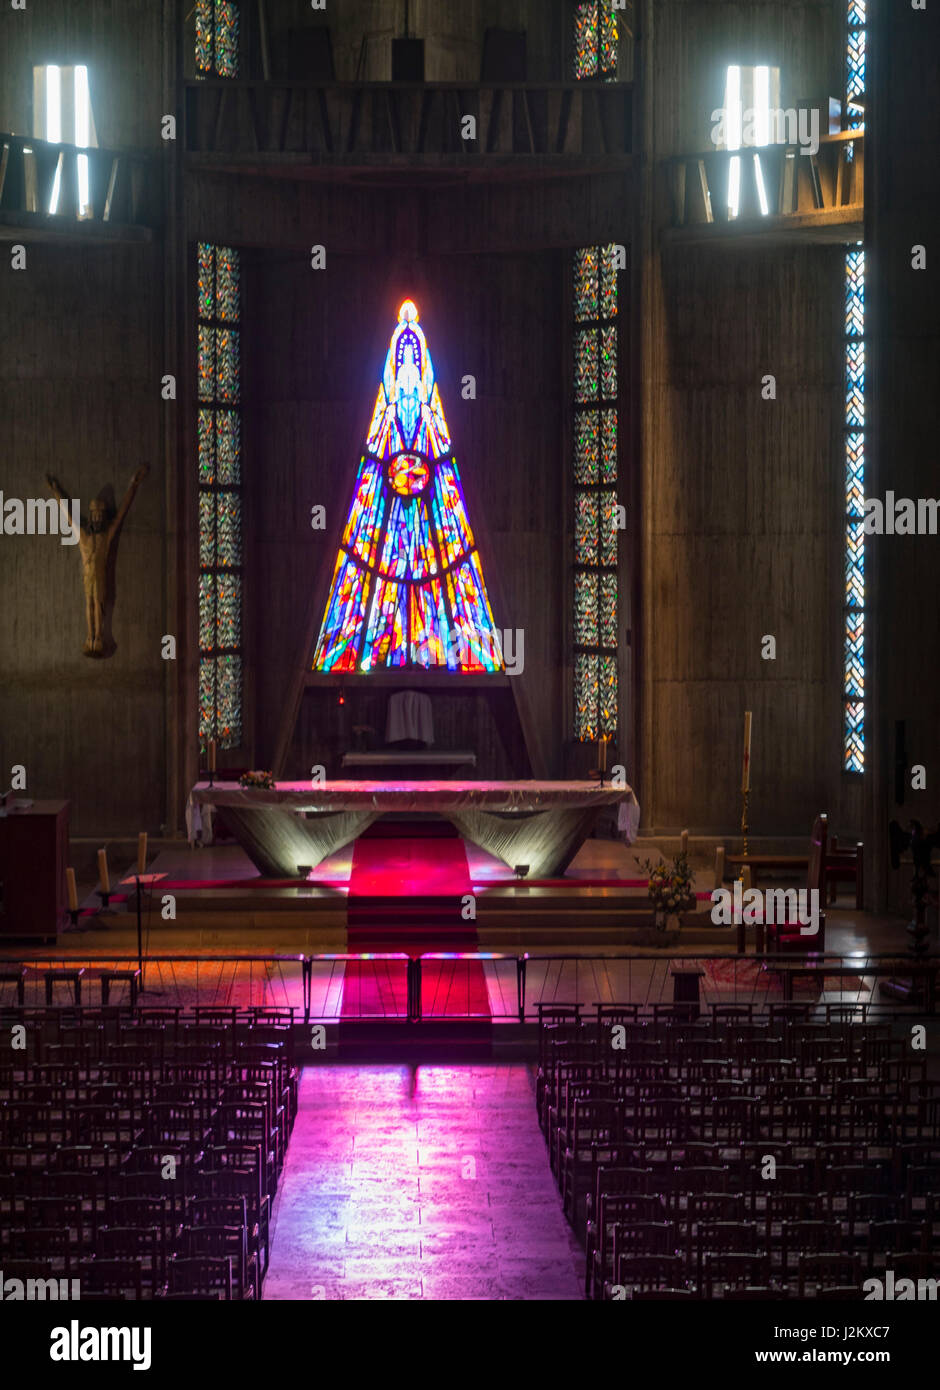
(671, 890)
(264, 780)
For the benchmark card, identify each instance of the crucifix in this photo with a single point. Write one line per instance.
(97, 545)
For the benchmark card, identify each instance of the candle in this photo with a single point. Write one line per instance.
(103, 881)
(142, 852)
(603, 752)
(212, 755)
(746, 765)
(72, 890)
(684, 843)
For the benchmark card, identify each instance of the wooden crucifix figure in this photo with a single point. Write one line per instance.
(97, 545)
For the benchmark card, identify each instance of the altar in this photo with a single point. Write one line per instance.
(290, 829)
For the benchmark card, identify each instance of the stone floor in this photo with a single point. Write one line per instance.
(420, 1182)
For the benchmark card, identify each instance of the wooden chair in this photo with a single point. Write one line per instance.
(845, 863)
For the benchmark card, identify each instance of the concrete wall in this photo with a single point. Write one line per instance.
(80, 366)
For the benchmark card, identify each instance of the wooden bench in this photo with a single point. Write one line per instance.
(56, 976)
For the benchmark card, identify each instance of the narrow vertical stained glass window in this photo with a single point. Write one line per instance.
(595, 40)
(594, 386)
(217, 38)
(218, 433)
(853, 659)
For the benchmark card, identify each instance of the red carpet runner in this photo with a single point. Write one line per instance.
(405, 894)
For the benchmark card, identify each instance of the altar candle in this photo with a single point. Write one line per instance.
(212, 755)
(72, 890)
(746, 765)
(142, 852)
(603, 752)
(684, 843)
(103, 880)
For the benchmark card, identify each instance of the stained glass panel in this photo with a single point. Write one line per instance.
(855, 736)
(585, 364)
(608, 610)
(608, 284)
(228, 446)
(228, 618)
(585, 283)
(585, 695)
(855, 382)
(585, 609)
(608, 528)
(204, 35)
(585, 528)
(226, 38)
(228, 276)
(206, 279)
(585, 446)
(607, 693)
(206, 699)
(229, 700)
(408, 520)
(228, 534)
(854, 639)
(227, 363)
(205, 349)
(609, 362)
(585, 40)
(205, 430)
(219, 450)
(607, 44)
(854, 566)
(206, 529)
(855, 473)
(207, 612)
(609, 446)
(855, 293)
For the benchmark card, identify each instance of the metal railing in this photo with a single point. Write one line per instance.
(393, 987)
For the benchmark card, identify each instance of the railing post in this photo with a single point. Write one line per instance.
(414, 989)
(520, 986)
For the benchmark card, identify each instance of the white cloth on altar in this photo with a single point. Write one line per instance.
(628, 819)
(409, 716)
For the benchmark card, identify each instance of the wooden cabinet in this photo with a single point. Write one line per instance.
(34, 853)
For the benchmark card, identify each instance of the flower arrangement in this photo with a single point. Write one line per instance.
(264, 780)
(671, 889)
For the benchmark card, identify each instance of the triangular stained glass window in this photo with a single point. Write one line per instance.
(408, 585)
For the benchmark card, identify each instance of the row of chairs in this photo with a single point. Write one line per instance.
(697, 1164)
(147, 1172)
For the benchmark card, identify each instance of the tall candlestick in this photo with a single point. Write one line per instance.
(212, 755)
(746, 765)
(104, 883)
(72, 889)
(603, 752)
(142, 852)
(684, 844)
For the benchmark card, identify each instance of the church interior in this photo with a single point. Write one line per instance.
(467, 779)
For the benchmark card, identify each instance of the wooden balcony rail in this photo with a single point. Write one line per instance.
(827, 187)
(352, 122)
(124, 186)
